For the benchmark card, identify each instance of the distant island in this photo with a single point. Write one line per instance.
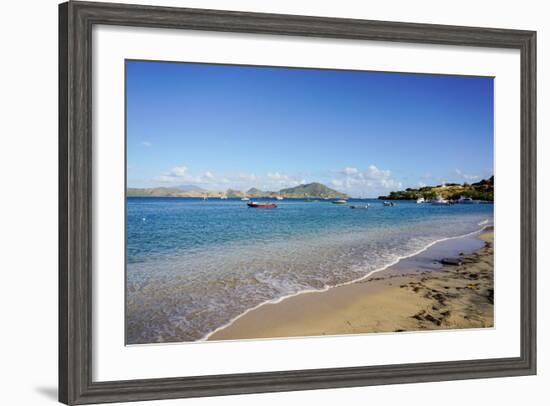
(311, 190)
(482, 190)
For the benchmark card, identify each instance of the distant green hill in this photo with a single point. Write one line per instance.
(231, 193)
(482, 190)
(254, 192)
(190, 188)
(313, 190)
(171, 192)
(157, 191)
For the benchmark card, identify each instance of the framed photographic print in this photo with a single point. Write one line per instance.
(257, 202)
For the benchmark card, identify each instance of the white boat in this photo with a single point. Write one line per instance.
(223, 197)
(359, 206)
(420, 200)
(340, 201)
(389, 203)
(440, 201)
(278, 198)
(245, 199)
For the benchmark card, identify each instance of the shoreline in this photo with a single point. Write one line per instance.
(382, 303)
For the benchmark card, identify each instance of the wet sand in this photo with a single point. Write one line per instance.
(418, 293)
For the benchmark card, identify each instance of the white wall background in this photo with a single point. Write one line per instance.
(28, 199)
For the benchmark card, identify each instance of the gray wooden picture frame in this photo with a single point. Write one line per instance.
(76, 20)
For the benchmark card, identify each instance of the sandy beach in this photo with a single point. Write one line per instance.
(418, 293)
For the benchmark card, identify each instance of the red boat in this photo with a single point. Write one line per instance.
(262, 205)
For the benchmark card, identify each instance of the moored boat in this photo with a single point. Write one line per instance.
(262, 205)
(340, 201)
(420, 200)
(441, 202)
(386, 203)
(245, 199)
(278, 197)
(359, 206)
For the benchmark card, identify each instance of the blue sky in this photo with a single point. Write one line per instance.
(363, 133)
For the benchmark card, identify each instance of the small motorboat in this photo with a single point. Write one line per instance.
(420, 200)
(262, 205)
(278, 197)
(359, 206)
(440, 202)
(245, 199)
(340, 201)
(390, 204)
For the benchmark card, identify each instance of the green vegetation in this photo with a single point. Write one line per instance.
(157, 191)
(231, 193)
(482, 190)
(253, 192)
(311, 190)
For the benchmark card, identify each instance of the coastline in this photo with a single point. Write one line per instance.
(415, 293)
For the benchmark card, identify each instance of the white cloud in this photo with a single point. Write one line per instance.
(350, 171)
(272, 181)
(178, 171)
(279, 180)
(180, 174)
(391, 184)
(246, 176)
(466, 176)
(370, 181)
(278, 176)
(374, 173)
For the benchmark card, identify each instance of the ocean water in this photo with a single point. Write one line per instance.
(193, 266)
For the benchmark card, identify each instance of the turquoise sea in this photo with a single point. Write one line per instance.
(193, 265)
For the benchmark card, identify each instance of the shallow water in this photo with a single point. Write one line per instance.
(194, 265)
